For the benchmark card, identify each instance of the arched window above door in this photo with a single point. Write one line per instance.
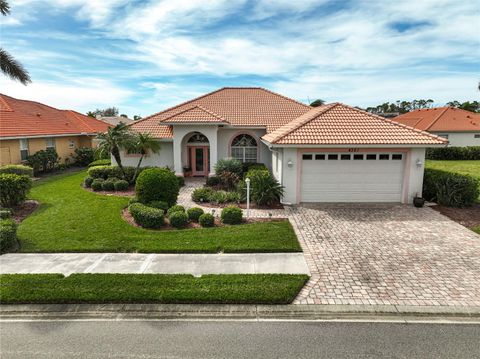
(244, 148)
(198, 137)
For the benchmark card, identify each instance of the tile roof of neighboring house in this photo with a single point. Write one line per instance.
(115, 120)
(22, 118)
(240, 106)
(441, 119)
(339, 124)
(195, 114)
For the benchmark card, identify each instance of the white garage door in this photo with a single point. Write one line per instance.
(352, 177)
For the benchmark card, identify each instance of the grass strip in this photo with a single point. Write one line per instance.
(150, 288)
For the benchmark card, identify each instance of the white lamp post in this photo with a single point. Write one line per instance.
(247, 181)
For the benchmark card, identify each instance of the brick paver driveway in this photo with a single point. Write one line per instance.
(388, 254)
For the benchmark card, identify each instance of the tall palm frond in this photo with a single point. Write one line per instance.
(4, 8)
(143, 143)
(12, 68)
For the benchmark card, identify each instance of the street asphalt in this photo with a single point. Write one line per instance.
(239, 339)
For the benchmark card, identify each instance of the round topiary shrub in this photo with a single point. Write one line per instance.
(121, 185)
(194, 213)
(206, 220)
(176, 208)
(5, 213)
(231, 215)
(108, 185)
(159, 204)
(97, 184)
(157, 184)
(145, 216)
(178, 219)
(13, 189)
(87, 182)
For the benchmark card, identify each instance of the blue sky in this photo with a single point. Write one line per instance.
(142, 56)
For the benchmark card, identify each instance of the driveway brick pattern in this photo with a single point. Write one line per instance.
(386, 254)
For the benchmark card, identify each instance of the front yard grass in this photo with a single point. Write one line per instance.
(150, 288)
(471, 168)
(71, 219)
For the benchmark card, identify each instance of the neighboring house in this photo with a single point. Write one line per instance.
(331, 153)
(460, 127)
(27, 127)
(115, 120)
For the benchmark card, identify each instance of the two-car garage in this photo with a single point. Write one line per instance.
(352, 177)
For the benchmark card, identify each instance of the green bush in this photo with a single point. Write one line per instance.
(83, 156)
(454, 153)
(147, 217)
(194, 213)
(109, 184)
(87, 182)
(265, 189)
(229, 170)
(202, 194)
(157, 184)
(178, 219)
(213, 181)
(181, 181)
(103, 172)
(5, 213)
(450, 189)
(43, 161)
(97, 184)
(104, 162)
(121, 185)
(17, 170)
(231, 215)
(206, 220)
(13, 189)
(8, 234)
(159, 204)
(247, 166)
(175, 208)
(133, 200)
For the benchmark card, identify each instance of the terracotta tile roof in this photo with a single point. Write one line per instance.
(441, 119)
(240, 106)
(195, 114)
(20, 118)
(339, 124)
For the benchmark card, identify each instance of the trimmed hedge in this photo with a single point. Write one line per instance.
(109, 184)
(13, 189)
(157, 184)
(159, 204)
(194, 213)
(454, 153)
(206, 220)
(121, 185)
(97, 184)
(178, 219)
(147, 217)
(175, 208)
(104, 162)
(87, 182)
(17, 170)
(207, 194)
(450, 189)
(5, 213)
(8, 234)
(231, 215)
(83, 156)
(106, 172)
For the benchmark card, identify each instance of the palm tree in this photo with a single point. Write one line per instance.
(113, 140)
(9, 66)
(317, 102)
(143, 143)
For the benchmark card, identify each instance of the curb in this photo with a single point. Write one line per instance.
(233, 312)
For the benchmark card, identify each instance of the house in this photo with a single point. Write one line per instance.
(331, 153)
(27, 127)
(115, 120)
(460, 127)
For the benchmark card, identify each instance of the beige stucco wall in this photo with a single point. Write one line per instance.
(10, 149)
(461, 139)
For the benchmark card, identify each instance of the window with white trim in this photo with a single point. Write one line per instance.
(23, 149)
(244, 148)
(71, 144)
(50, 143)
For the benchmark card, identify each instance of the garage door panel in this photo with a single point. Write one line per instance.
(352, 180)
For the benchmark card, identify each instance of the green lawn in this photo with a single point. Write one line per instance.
(150, 288)
(471, 168)
(71, 219)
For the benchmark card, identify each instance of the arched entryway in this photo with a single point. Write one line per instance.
(198, 154)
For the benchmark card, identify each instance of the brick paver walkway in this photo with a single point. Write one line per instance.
(390, 254)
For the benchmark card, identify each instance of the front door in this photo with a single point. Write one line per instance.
(199, 160)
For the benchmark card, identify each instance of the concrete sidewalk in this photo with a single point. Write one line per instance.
(196, 264)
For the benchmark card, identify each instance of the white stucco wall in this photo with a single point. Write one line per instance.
(288, 175)
(461, 139)
(164, 158)
(414, 174)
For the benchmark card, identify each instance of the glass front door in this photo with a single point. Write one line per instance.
(199, 160)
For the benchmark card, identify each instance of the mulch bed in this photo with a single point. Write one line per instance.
(128, 193)
(468, 217)
(240, 205)
(23, 210)
(218, 223)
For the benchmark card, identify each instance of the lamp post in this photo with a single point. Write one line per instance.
(247, 181)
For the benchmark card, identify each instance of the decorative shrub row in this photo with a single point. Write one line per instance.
(194, 213)
(17, 170)
(157, 184)
(207, 194)
(454, 153)
(178, 219)
(175, 208)
(145, 216)
(8, 234)
(13, 189)
(111, 184)
(231, 215)
(106, 172)
(206, 220)
(103, 162)
(5, 213)
(450, 189)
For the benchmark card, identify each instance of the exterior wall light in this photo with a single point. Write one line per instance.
(290, 163)
(419, 163)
